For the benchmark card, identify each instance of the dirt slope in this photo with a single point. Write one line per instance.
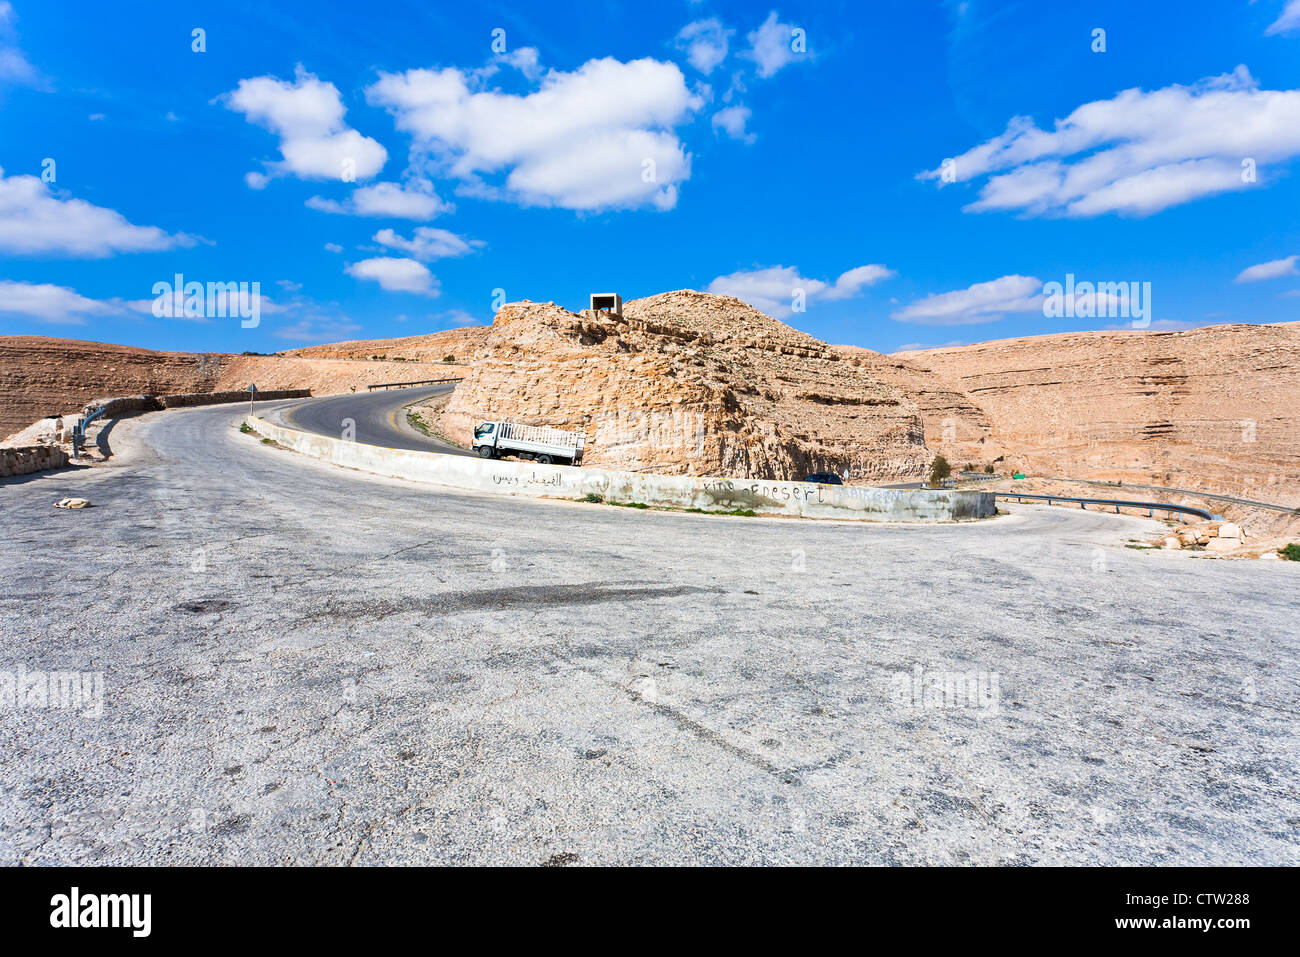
(463, 344)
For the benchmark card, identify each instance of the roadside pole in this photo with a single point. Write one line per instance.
(252, 391)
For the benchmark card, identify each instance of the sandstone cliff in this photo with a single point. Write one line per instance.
(694, 384)
(1213, 408)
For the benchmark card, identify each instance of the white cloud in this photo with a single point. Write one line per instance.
(428, 243)
(855, 280)
(1288, 20)
(982, 302)
(318, 329)
(600, 137)
(705, 43)
(416, 200)
(307, 115)
(238, 302)
(14, 66)
(49, 303)
(333, 248)
(773, 290)
(732, 120)
(771, 46)
(396, 275)
(1269, 270)
(1137, 153)
(525, 60)
(36, 221)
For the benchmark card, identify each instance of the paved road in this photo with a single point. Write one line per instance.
(310, 665)
(378, 417)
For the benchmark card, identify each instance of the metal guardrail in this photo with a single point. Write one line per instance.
(1290, 510)
(1151, 507)
(407, 385)
(79, 430)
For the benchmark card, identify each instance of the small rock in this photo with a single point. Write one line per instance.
(1172, 543)
(71, 503)
(1229, 530)
(1271, 557)
(1222, 544)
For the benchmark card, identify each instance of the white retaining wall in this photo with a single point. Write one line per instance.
(675, 491)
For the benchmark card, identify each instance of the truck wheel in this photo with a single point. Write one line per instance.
(543, 460)
(485, 451)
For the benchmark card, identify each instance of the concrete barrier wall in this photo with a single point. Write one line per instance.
(25, 459)
(710, 494)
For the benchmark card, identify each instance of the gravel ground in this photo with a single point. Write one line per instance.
(309, 665)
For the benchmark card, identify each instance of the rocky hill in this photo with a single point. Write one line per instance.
(691, 383)
(1216, 408)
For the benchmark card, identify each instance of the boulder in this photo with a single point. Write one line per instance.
(1230, 530)
(1172, 543)
(1222, 544)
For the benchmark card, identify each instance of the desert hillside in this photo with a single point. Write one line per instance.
(1215, 408)
(691, 383)
(40, 376)
(461, 344)
(955, 427)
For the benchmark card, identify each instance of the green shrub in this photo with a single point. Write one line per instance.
(245, 428)
(1291, 553)
(448, 358)
(988, 470)
(593, 497)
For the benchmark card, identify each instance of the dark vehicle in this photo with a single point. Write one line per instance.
(824, 478)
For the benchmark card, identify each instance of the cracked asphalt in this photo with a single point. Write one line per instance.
(307, 665)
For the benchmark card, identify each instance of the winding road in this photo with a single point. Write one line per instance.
(305, 664)
(378, 418)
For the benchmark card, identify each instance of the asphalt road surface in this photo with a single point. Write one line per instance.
(378, 418)
(303, 664)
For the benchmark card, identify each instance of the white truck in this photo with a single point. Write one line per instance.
(539, 443)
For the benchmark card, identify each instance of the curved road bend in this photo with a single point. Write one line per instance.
(379, 417)
(336, 668)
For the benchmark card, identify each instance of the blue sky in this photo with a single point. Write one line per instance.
(384, 169)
